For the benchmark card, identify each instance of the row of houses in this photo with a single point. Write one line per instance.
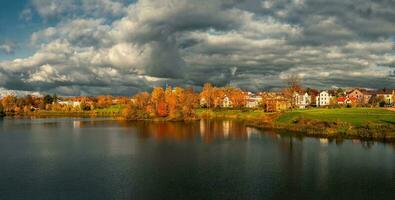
(274, 101)
(354, 96)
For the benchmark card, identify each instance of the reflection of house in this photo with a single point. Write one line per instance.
(302, 100)
(323, 99)
(273, 102)
(253, 101)
(227, 103)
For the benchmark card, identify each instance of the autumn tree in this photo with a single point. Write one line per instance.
(9, 103)
(237, 96)
(158, 102)
(219, 95)
(104, 101)
(207, 95)
(188, 100)
(171, 99)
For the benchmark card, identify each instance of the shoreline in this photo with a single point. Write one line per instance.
(375, 130)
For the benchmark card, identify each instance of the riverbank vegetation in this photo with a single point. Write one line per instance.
(277, 110)
(163, 104)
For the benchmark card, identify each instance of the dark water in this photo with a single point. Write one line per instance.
(104, 159)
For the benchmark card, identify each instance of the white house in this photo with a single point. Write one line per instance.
(302, 100)
(227, 103)
(253, 101)
(70, 103)
(323, 99)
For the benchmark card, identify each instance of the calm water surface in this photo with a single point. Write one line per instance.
(105, 159)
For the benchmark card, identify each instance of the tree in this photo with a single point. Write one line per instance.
(171, 99)
(55, 98)
(237, 97)
(48, 99)
(207, 95)
(158, 101)
(293, 86)
(84, 105)
(218, 97)
(188, 100)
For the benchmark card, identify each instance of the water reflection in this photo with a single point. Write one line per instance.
(109, 159)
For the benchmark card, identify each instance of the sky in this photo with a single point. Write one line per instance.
(121, 47)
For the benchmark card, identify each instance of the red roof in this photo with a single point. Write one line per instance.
(344, 99)
(341, 99)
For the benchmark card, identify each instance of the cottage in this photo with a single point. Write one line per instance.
(253, 101)
(70, 103)
(346, 100)
(323, 99)
(273, 102)
(356, 94)
(386, 95)
(302, 100)
(227, 103)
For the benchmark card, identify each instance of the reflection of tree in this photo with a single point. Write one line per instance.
(291, 155)
(214, 130)
(367, 144)
(208, 130)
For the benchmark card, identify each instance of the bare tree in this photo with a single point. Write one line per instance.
(293, 86)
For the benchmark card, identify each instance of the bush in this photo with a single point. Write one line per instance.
(382, 103)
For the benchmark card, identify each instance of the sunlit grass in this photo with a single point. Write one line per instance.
(355, 116)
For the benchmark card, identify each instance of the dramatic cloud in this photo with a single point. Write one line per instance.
(119, 47)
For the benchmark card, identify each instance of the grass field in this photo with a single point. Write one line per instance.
(354, 116)
(112, 109)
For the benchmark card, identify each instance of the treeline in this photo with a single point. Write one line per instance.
(170, 104)
(213, 97)
(13, 105)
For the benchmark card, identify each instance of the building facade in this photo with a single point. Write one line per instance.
(302, 100)
(323, 99)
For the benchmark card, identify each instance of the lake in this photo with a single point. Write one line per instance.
(105, 159)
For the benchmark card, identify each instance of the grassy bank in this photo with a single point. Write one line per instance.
(365, 123)
(113, 111)
(353, 116)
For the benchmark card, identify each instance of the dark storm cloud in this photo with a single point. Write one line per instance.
(113, 47)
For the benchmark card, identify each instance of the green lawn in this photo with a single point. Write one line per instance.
(354, 116)
(112, 109)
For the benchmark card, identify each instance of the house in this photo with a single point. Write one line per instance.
(368, 96)
(252, 100)
(346, 100)
(226, 102)
(323, 99)
(203, 102)
(386, 95)
(273, 102)
(70, 103)
(356, 94)
(302, 99)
